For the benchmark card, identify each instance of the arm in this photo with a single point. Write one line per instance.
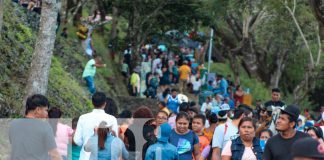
(226, 157)
(99, 65)
(196, 151)
(77, 139)
(216, 154)
(125, 153)
(267, 152)
(54, 154)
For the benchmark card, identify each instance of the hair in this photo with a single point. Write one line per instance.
(125, 114)
(193, 109)
(212, 118)
(98, 99)
(164, 112)
(237, 87)
(275, 90)
(318, 131)
(75, 122)
(184, 107)
(182, 115)
(36, 100)
(162, 103)
(103, 130)
(266, 130)
(166, 92)
(143, 112)
(54, 114)
(111, 107)
(173, 90)
(242, 109)
(247, 119)
(200, 116)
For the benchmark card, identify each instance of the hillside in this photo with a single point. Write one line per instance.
(66, 88)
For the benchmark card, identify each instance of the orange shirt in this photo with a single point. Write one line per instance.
(184, 71)
(204, 142)
(209, 134)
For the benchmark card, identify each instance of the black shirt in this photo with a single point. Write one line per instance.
(275, 104)
(278, 148)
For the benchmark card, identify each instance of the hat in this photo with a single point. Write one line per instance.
(222, 115)
(292, 110)
(308, 148)
(164, 132)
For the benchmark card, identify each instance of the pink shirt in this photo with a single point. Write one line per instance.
(247, 155)
(63, 133)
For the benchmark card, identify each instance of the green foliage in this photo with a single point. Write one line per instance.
(65, 92)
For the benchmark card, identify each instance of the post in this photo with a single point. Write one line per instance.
(210, 48)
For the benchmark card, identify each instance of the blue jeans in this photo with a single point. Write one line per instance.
(90, 84)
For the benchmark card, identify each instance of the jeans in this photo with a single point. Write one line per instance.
(90, 84)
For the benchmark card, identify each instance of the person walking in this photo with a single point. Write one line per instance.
(90, 71)
(279, 146)
(89, 121)
(31, 137)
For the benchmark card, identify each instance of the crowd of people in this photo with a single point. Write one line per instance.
(181, 132)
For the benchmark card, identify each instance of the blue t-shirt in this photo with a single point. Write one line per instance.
(173, 104)
(160, 150)
(184, 143)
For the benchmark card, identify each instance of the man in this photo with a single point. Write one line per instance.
(222, 87)
(162, 149)
(198, 124)
(90, 71)
(279, 146)
(173, 101)
(275, 104)
(184, 71)
(308, 149)
(135, 82)
(31, 137)
(228, 131)
(89, 121)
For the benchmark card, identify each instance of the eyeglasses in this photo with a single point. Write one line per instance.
(161, 118)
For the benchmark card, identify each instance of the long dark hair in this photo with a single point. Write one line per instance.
(54, 114)
(103, 131)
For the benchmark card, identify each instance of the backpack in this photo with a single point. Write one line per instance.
(154, 82)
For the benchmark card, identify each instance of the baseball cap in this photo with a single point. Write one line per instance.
(292, 110)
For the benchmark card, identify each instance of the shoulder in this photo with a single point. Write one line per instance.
(274, 139)
(301, 134)
(268, 103)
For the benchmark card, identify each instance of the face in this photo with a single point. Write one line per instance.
(275, 96)
(312, 134)
(265, 136)
(247, 131)
(41, 112)
(174, 94)
(197, 125)
(282, 123)
(191, 114)
(182, 125)
(161, 118)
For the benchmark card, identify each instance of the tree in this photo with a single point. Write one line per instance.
(41, 61)
(1, 15)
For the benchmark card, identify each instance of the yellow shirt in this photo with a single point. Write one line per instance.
(184, 71)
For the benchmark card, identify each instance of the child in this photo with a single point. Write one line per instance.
(198, 124)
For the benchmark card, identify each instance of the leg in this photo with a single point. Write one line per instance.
(90, 84)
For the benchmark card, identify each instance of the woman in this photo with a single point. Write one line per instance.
(125, 134)
(185, 140)
(316, 133)
(61, 131)
(264, 136)
(239, 93)
(103, 145)
(246, 146)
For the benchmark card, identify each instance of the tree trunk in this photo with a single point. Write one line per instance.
(41, 61)
(317, 7)
(113, 32)
(1, 15)
(280, 64)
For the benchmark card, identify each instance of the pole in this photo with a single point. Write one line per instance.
(210, 48)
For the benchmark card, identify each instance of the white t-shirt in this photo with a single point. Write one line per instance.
(247, 155)
(221, 137)
(196, 85)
